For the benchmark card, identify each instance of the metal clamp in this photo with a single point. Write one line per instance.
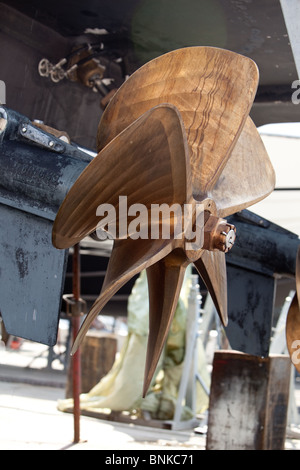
(41, 138)
(75, 307)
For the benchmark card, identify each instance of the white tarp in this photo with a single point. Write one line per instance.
(121, 388)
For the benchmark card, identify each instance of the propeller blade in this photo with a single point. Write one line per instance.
(212, 269)
(293, 320)
(212, 88)
(248, 176)
(147, 162)
(293, 331)
(165, 280)
(298, 274)
(128, 258)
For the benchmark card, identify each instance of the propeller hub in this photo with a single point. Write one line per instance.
(230, 238)
(218, 235)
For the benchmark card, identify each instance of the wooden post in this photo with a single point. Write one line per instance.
(97, 352)
(248, 402)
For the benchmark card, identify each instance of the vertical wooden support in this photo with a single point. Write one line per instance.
(248, 402)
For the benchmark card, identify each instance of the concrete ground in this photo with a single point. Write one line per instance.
(30, 420)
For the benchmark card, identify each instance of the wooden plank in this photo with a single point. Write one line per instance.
(98, 353)
(248, 402)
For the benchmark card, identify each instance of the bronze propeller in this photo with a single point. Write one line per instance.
(177, 132)
(293, 321)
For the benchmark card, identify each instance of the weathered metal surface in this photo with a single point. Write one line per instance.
(34, 179)
(262, 252)
(31, 276)
(263, 246)
(34, 176)
(250, 310)
(248, 402)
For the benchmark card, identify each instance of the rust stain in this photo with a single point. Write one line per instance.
(22, 263)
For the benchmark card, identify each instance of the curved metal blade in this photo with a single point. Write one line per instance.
(165, 280)
(212, 269)
(293, 320)
(212, 88)
(293, 332)
(146, 164)
(297, 274)
(248, 175)
(128, 258)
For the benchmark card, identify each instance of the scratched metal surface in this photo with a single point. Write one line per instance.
(33, 184)
(263, 253)
(31, 276)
